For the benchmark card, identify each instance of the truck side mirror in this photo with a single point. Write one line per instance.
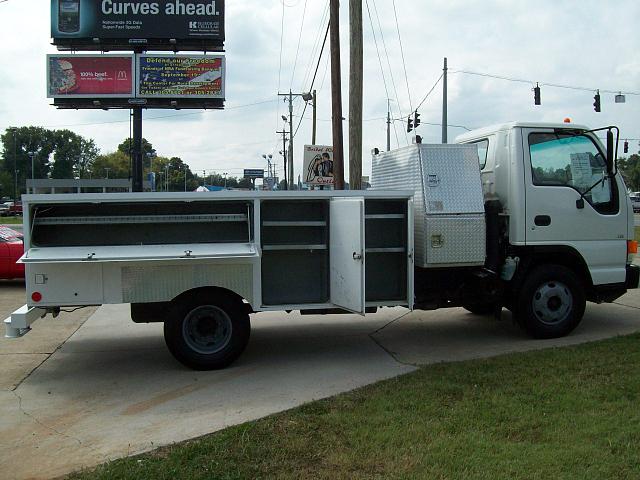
(610, 156)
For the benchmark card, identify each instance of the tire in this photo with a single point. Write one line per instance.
(480, 308)
(550, 302)
(207, 331)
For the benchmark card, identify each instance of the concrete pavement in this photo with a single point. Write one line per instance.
(113, 389)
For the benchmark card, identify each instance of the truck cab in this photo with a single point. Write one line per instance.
(565, 214)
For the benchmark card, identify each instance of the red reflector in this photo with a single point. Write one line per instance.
(36, 296)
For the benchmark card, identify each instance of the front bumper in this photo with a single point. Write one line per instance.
(633, 276)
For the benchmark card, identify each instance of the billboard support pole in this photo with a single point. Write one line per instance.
(137, 150)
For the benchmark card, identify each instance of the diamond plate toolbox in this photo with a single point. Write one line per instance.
(448, 200)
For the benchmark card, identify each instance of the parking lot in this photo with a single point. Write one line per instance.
(91, 385)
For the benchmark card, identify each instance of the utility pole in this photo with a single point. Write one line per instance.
(136, 172)
(284, 155)
(355, 94)
(444, 102)
(336, 94)
(388, 124)
(313, 131)
(290, 162)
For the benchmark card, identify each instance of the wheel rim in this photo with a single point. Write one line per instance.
(552, 302)
(207, 329)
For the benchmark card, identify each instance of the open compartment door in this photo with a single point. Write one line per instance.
(346, 253)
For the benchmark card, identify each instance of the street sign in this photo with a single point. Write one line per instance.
(253, 173)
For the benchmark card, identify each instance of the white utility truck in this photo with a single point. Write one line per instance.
(531, 217)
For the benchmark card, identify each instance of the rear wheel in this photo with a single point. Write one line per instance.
(207, 331)
(551, 302)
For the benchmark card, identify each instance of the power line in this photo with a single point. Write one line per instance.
(428, 93)
(295, 62)
(404, 65)
(384, 80)
(160, 117)
(546, 84)
(393, 81)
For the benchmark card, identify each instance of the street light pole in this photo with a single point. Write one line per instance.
(15, 166)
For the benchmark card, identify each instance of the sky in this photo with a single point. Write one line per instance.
(273, 45)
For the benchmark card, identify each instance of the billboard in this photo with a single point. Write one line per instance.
(119, 24)
(180, 76)
(318, 165)
(90, 76)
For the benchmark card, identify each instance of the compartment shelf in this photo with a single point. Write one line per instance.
(385, 250)
(383, 216)
(111, 219)
(294, 247)
(286, 223)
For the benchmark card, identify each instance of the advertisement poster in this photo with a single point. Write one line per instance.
(318, 165)
(95, 76)
(159, 19)
(175, 76)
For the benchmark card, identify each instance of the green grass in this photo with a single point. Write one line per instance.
(10, 220)
(561, 413)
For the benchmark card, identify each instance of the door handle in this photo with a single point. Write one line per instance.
(542, 220)
(357, 256)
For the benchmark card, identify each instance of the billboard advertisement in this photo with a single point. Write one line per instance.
(180, 76)
(179, 22)
(318, 165)
(90, 76)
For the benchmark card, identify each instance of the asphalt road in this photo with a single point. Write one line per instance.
(88, 387)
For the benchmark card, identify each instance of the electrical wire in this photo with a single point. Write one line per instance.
(386, 53)
(384, 80)
(546, 84)
(404, 65)
(427, 95)
(295, 62)
(314, 76)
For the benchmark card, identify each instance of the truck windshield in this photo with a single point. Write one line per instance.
(570, 161)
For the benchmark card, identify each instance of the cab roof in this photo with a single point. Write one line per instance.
(486, 131)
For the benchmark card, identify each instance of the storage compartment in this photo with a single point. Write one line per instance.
(386, 276)
(151, 223)
(295, 255)
(292, 277)
(385, 250)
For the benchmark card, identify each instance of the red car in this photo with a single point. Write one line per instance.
(11, 249)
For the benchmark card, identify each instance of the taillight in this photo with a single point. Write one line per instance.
(632, 246)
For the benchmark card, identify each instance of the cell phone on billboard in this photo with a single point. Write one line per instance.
(68, 16)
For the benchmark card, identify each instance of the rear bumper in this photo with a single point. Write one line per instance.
(19, 323)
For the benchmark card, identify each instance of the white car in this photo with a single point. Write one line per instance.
(635, 201)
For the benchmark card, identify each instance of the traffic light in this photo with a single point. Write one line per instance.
(409, 125)
(596, 101)
(416, 119)
(536, 95)
(626, 146)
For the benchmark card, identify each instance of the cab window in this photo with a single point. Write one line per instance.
(483, 148)
(572, 161)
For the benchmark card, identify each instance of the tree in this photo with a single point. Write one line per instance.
(147, 149)
(16, 158)
(630, 169)
(111, 165)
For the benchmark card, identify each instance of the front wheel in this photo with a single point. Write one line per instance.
(207, 331)
(551, 302)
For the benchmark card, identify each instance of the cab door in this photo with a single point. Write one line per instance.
(558, 168)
